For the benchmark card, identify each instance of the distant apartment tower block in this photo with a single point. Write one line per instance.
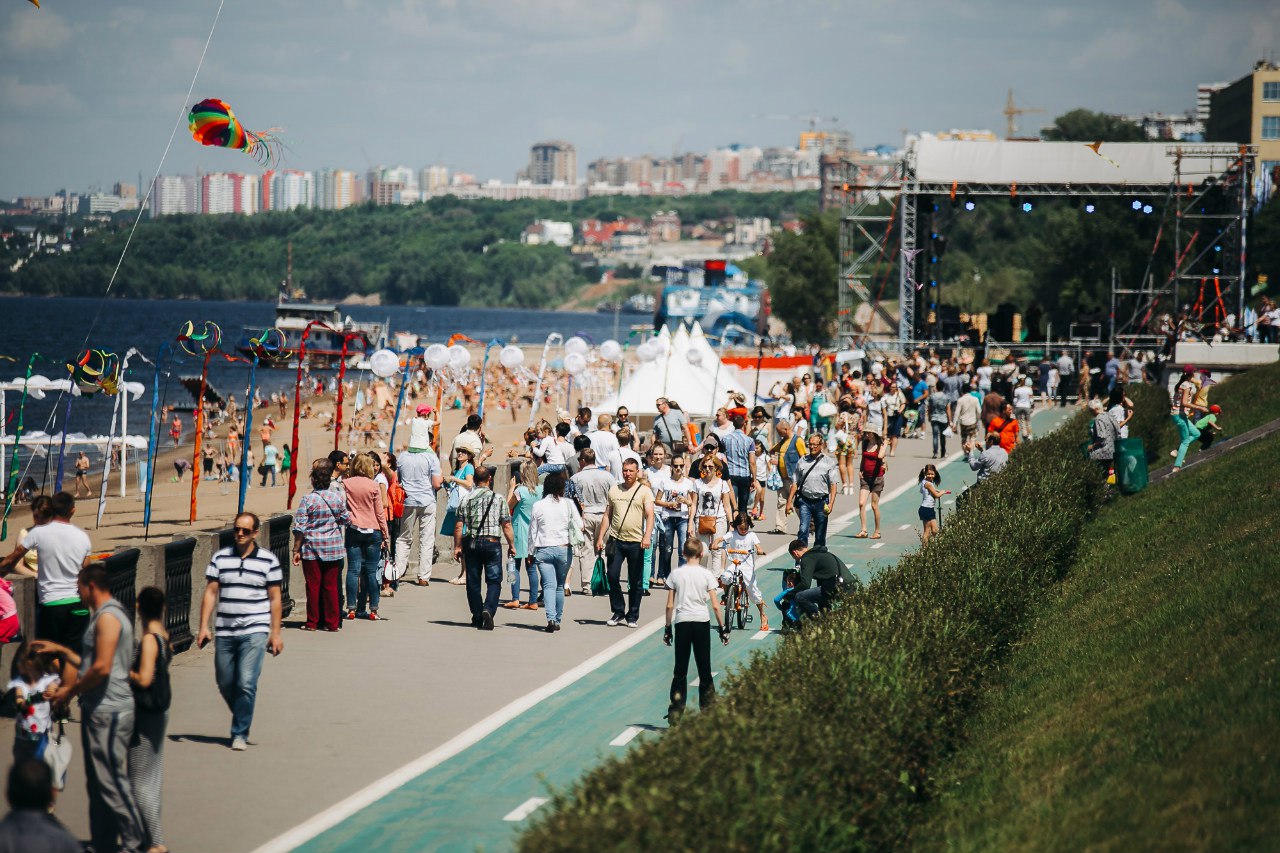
(337, 188)
(292, 188)
(228, 192)
(552, 162)
(175, 194)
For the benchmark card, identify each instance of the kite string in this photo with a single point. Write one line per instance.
(182, 113)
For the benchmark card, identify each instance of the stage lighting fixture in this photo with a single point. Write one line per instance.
(969, 205)
(1137, 204)
(1089, 207)
(1146, 208)
(1026, 207)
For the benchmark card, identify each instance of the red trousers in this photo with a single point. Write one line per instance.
(321, 578)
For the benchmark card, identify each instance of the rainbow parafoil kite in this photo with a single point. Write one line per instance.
(200, 339)
(95, 370)
(213, 123)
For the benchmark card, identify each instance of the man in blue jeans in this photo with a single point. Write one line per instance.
(243, 588)
(482, 516)
(740, 461)
(813, 492)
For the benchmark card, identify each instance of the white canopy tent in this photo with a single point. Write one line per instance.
(674, 376)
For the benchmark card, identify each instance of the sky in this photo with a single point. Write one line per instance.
(91, 91)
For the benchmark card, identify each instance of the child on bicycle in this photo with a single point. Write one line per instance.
(741, 547)
(690, 588)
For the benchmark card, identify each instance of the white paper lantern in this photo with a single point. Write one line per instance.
(384, 363)
(437, 356)
(694, 356)
(575, 363)
(576, 345)
(645, 352)
(459, 357)
(611, 350)
(511, 357)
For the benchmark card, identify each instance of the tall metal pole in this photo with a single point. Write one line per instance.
(244, 445)
(152, 445)
(484, 363)
(404, 384)
(11, 492)
(1245, 186)
(199, 438)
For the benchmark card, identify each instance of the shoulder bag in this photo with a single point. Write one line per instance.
(156, 698)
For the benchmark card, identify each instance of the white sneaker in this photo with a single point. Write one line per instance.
(631, 624)
(614, 621)
(239, 744)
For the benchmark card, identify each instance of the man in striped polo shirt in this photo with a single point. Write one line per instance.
(243, 586)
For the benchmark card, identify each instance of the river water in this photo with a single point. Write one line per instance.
(56, 328)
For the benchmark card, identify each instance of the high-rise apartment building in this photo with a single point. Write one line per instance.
(394, 185)
(552, 162)
(1248, 111)
(175, 194)
(229, 192)
(433, 180)
(292, 188)
(337, 188)
(1204, 97)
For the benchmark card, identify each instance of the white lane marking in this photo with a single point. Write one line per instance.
(375, 791)
(525, 809)
(904, 526)
(370, 794)
(877, 545)
(760, 635)
(628, 734)
(697, 681)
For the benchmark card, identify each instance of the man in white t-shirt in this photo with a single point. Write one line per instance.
(603, 441)
(1066, 368)
(1023, 397)
(62, 550)
(690, 588)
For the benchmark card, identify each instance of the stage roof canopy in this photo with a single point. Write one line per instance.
(939, 161)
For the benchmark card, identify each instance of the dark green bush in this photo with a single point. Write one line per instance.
(830, 742)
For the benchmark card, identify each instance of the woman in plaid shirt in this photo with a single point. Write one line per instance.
(319, 527)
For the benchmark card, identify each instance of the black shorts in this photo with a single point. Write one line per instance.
(62, 623)
(928, 513)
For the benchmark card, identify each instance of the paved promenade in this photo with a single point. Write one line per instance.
(421, 733)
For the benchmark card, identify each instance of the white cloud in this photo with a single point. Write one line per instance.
(409, 18)
(35, 97)
(32, 31)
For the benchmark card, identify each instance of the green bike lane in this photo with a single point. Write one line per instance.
(478, 791)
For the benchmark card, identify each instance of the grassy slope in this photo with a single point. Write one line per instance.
(1141, 712)
(1247, 400)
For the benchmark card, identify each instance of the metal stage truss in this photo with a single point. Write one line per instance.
(1209, 192)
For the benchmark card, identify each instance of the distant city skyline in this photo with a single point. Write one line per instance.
(90, 91)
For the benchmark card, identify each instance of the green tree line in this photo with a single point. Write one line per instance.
(446, 251)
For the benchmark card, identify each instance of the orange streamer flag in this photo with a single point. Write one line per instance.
(1094, 146)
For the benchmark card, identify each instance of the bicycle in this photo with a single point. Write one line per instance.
(735, 600)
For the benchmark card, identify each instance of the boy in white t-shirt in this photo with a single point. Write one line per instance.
(743, 545)
(690, 588)
(1023, 399)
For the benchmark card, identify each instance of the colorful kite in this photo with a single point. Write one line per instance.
(96, 370)
(199, 340)
(35, 3)
(270, 345)
(1094, 146)
(214, 124)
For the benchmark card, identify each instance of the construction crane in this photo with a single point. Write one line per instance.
(814, 119)
(1012, 111)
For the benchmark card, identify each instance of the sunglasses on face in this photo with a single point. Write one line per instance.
(247, 531)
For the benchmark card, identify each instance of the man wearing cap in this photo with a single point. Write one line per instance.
(420, 477)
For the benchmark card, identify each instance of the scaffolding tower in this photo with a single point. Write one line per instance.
(866, 230)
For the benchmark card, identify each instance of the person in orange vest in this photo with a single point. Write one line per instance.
(1006, 426)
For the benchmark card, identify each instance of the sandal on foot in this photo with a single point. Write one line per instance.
(862, 535)
(512, 605)
(875, 535)
(530, 606)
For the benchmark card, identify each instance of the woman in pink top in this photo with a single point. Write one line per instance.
(366, 537)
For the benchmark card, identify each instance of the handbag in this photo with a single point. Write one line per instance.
(57, 754)
(599, 578)
(576, 537)
(156, 698)
(773, 482)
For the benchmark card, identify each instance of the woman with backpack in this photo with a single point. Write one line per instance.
(151, 698)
